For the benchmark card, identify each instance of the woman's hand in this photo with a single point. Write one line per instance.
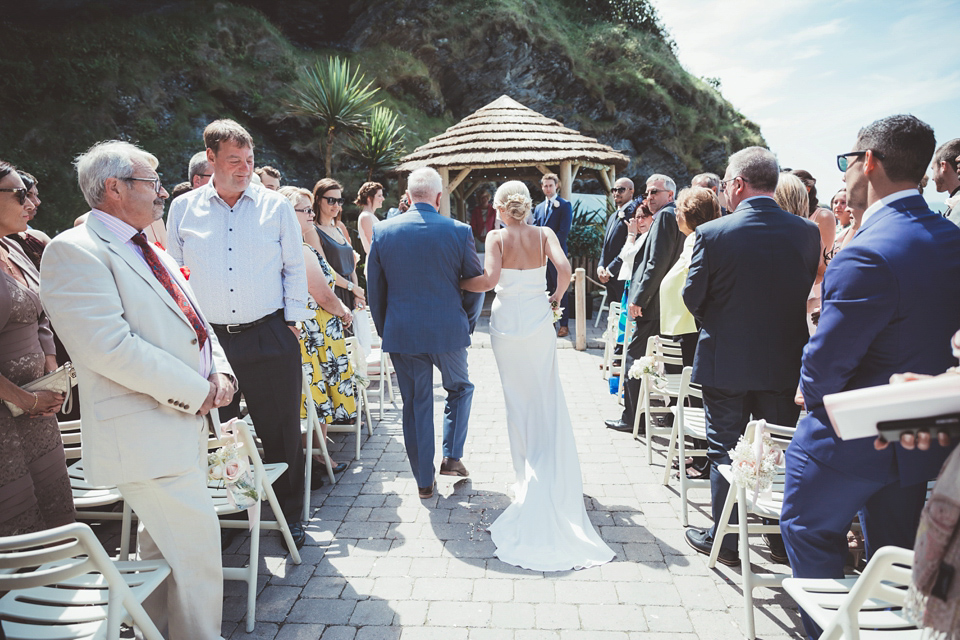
(346, 317)
(361, 297)
(48, 403)
(50, 363)
(632, 225)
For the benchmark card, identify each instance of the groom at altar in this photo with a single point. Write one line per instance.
(414, 270)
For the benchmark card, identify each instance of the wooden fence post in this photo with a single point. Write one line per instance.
(580, 293)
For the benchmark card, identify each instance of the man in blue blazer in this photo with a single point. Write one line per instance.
(891, 302)
(556, 213)
(608, 269)
(749, 279)
(414, 270)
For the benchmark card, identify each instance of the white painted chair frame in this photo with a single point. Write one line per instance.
(873, 601)
(610, 343)
(688, 422)
(603, 307)
(668, 351)
(71, 588)
(379, 363)
(768, 506)
(264, 477)
(310, 427)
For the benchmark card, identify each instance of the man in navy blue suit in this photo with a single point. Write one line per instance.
(556, 213)
(891, 302)
(414, 270)
(613, 239)
(749, 279)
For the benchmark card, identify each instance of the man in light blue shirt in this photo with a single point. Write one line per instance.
(242, 245)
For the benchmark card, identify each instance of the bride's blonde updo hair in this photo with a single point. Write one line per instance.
(513, 198)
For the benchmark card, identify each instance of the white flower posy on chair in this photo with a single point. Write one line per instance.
(651, 366)
(230, 467)
(754, 464)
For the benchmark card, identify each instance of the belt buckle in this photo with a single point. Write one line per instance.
(230, 328)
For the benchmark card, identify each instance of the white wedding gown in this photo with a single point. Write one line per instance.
(546, 528)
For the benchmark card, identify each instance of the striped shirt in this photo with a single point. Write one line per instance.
(246, 261)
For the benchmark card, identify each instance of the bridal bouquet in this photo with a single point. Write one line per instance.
(754, 464)
(360, 380)
(652, 367)
(557, 310)
(230, 467)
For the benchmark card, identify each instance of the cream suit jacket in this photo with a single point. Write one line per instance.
(135, 352)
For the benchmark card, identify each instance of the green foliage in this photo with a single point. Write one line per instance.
(586, 233)
(337, 97)
(637, 14)
(380, 145)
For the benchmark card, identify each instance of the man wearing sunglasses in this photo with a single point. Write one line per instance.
(891, 303)
(242, 245)
(614, 238)
(749, 279)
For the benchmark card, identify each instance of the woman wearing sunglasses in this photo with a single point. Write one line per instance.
(34, 487)
(333, 243)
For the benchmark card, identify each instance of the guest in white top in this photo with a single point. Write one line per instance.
(242, 245)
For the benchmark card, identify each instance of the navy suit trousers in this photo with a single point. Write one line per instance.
(415, 379)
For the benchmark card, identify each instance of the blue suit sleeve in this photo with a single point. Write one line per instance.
(698, 279)
(376, 286)
(859, 300)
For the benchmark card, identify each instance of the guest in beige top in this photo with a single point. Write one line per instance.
(695, 205)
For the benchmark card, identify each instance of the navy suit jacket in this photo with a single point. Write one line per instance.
(615, 237)
(558, 218)
(891, 302)
(750, 276)
(414, 270)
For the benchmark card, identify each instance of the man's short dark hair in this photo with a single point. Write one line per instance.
(268, 170)
(906, 143)
(226, 131)
(948, 152)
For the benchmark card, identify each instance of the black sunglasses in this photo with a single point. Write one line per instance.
(19, 192)
(843, 162)
(618, 189)
(332, 201)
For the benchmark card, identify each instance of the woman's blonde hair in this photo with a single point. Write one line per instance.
(293, 194)
(513, 198)
(791, 195)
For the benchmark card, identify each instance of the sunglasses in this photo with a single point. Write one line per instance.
(723, 183)
(618, 189)
(334, 201)
(19, 192)
(304, 211)
(653, 192)
(843, 159)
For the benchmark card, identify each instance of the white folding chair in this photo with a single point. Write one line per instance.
(353, 353)
(668, 352)
(603, 307)
(264, 476)
(610, 342)
(767, 505)
(85, 495)
(62, 584)
(688, 422)
(870, 606)
(310, 427)
(378, 364)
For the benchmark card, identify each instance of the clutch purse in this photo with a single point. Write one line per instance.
(61, 380)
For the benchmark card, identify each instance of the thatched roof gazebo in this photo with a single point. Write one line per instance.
(508, 141)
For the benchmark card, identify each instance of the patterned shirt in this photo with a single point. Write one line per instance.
(245, 261)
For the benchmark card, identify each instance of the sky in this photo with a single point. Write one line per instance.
(811, 73)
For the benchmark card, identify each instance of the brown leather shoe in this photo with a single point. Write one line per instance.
(453, 467)
(563, 332)
(425, 492)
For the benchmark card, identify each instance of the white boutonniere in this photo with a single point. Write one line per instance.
(621, 214)
(556, 203)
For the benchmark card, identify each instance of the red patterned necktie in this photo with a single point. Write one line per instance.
(164, 277)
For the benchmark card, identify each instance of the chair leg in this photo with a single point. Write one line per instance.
(671, 450)
(383, 367)
(358, 431)
(682, 455)
(125, 527)
(366, 412)
(308, 469)
(745, 572)
(722, 527)
(252, 573)
(603, 301)
(282, 524)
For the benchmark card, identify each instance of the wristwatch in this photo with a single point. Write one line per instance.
(350, 286)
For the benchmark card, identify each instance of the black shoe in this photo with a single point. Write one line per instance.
(702, 541)
(618, 425)
(297, 533)
(778, 552)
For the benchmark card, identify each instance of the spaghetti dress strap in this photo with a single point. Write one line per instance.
(542, 261)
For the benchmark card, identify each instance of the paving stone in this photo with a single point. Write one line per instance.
(557, 616)
(327, 611)
(378, 633)
(301, 632)
(372, 612)
(433, 633)
(274, 602)
(612, 617)
(535, 591)
(339, 633)
(324, 587)
(512, 615)
(459, 614)
(442, 589)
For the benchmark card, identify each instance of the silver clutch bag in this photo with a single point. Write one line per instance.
(61, 380)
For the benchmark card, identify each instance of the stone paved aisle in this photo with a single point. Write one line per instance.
(381, 564)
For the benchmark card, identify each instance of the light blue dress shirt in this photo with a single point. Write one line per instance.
(245, 261)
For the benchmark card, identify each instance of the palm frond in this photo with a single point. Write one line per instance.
(380, 145)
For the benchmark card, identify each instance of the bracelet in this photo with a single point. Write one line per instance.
(36, 400)
(350, 285)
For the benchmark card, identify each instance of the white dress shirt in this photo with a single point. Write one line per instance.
(245, 261)
(124, 234)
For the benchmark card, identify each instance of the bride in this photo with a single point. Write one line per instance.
(546, 527)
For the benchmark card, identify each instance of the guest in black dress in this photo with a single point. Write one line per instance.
(333, 242)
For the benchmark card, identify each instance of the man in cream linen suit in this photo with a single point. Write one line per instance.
(151, 371)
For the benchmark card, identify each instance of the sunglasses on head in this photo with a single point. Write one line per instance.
(19, 192)
(333, 201)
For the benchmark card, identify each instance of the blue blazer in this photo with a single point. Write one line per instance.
(891, 303)
(414, 270)
(558, 218)
(615, 237)
(750, 276)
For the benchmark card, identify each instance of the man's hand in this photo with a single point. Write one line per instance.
(602, 274)
(909, 441)
(634, 311)
(220, 393)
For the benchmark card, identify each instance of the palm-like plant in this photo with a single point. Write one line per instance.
(380, 145)
(336, 96)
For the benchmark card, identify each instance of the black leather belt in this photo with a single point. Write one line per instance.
(243, 326)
